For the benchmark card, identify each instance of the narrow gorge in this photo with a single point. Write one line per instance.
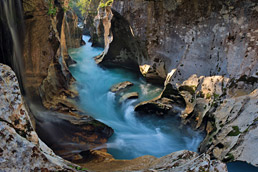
(129, 85)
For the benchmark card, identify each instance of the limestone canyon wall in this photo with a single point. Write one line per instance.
(50, 29)
(199, 37)
(207, 51)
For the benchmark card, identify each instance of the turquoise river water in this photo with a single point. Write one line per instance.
(134, 135)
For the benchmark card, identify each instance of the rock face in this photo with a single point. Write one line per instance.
(51, 31)
(206, 51)
(46, 41)
(198, 37)
(71, 136)
(20, 147)
(92, 28)
(169, 102)
(119, 52)
(233, 131)
(181, 161)
(187, 161)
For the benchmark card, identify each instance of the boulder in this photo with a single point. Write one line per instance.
(121, 87)
(132, 95)
(20, 147)
(168, 102)
(184, 161)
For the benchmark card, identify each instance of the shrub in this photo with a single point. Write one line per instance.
(51, 10)
(235, 131)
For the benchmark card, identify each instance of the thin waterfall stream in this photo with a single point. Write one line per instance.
(134, 135)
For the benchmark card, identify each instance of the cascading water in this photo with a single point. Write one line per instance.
(134, 136)
(12, 28)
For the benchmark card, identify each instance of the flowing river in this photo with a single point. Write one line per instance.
(134, 135)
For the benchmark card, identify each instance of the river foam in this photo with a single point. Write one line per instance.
(135, 135)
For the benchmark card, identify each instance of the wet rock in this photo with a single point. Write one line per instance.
(122, 52)
(72, 31)
(69, 136)
(20, 147)
(121, 86)
(127, 96)
(159, 107)
(168, 102)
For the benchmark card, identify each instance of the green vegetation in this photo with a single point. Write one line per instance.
(200, 94)
(78, 168)
(208, 95)
(235, 131)
(51, 10)
(89, 6)
(216, 96)
(84, 6)
(105, 4)
(229, 157)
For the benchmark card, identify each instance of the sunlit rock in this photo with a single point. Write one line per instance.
(121, 86)
(181, 161)
(127, 96)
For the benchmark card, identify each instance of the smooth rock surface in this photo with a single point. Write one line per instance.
(120, 86)
(127, 96)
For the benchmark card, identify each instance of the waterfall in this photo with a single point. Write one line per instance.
(11, 36)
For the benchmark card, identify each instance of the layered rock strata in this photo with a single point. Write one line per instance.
(51, 30)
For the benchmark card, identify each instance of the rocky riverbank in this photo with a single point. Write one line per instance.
(204, 52)
(43, 60)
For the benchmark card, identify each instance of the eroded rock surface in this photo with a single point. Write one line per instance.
(181, 161)
(121, 86)
(47, 77)
(195, 37)
(20, 147)
(127, 96)
(169, 102)
(207, 51)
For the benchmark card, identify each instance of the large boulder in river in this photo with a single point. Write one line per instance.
(168, 102)
(20, 147)
(127, 96)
